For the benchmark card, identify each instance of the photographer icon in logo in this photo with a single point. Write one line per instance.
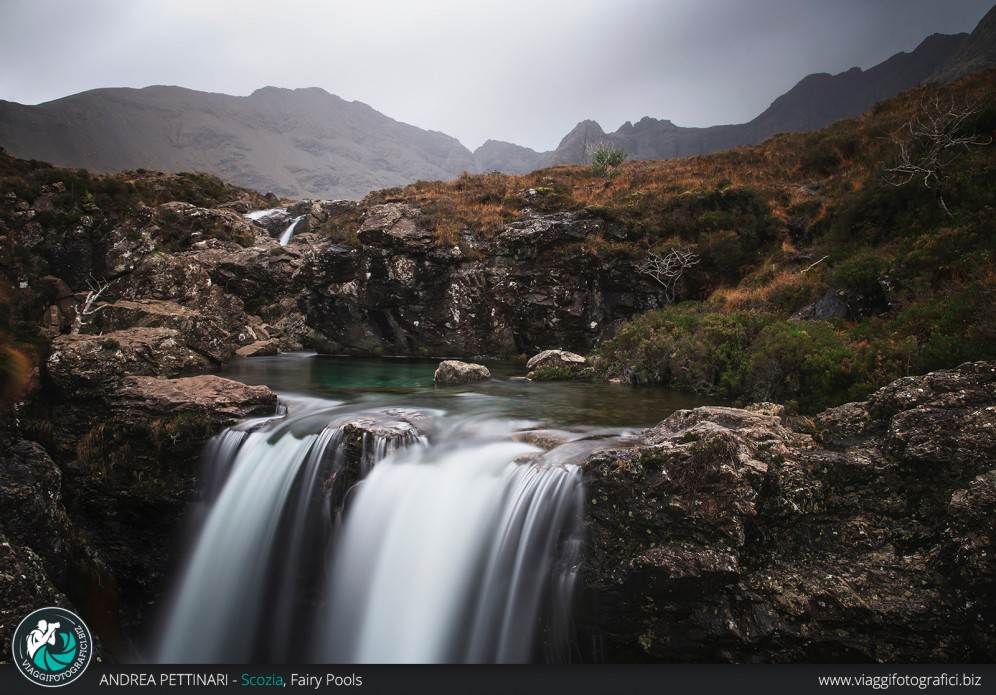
(52, 647)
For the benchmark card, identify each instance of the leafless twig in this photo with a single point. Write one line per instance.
(813, 265)
(668, 269)
(88, 308)
(931, 141)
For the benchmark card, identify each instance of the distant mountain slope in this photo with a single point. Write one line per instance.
(815, 102)
(976, 53)
(301, 143)
(496, 155)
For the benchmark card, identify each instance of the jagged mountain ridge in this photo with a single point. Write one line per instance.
(307, 143)
(974, 54)
(814, 102)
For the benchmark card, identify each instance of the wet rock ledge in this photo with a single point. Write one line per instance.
(865, 534)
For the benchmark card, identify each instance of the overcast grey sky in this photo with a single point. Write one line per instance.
(525, 71)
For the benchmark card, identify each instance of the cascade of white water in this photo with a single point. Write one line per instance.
(260, 214)
(289, 232)
(261, 547)
(456, 554)
(462, 550)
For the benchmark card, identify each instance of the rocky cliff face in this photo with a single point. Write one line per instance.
(531, 286)
(863, 535)
(170, 303)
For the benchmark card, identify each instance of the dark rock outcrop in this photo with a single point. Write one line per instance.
(362, 440)
(25, 587)
(532, 285)
(728, 535)
(135, 474)
(45, 549)
(105, 522)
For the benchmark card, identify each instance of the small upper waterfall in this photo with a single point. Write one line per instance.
(273, 219)
(289, 232)
(257, 215)
(354, 537)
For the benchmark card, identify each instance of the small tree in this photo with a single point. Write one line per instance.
(931, 141)
(605, 159)
(669, 269)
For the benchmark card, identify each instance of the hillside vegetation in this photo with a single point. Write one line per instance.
(801, 226)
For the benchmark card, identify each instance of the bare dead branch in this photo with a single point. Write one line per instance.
(669, 269)
(813, 265)
(931, 141)
(88, 308)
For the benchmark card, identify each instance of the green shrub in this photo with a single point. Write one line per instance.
(605, 160)
(802, 361)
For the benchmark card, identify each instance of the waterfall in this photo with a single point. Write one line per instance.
(289, 232)
(351, 537)
(257, 215)
(452, 556)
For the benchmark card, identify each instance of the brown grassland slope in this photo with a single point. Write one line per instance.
(885, 276)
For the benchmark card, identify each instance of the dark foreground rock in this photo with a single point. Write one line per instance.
(864, 535)
(41, 548)
(108, 523)
(25, 587)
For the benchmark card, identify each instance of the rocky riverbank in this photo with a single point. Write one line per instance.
(864, 534)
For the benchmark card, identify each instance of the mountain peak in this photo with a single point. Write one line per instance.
(284, 91)
(976, 52)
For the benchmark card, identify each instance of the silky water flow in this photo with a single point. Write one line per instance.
(459, 547)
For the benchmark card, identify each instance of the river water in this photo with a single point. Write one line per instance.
(408, 381)
(454, 538)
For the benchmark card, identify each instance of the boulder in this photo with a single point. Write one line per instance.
(365, 439)
(453, 372)
(832, 305)
(556, 364)
(261, 348)
(217, 400)
(201, 333)
(394, 226)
